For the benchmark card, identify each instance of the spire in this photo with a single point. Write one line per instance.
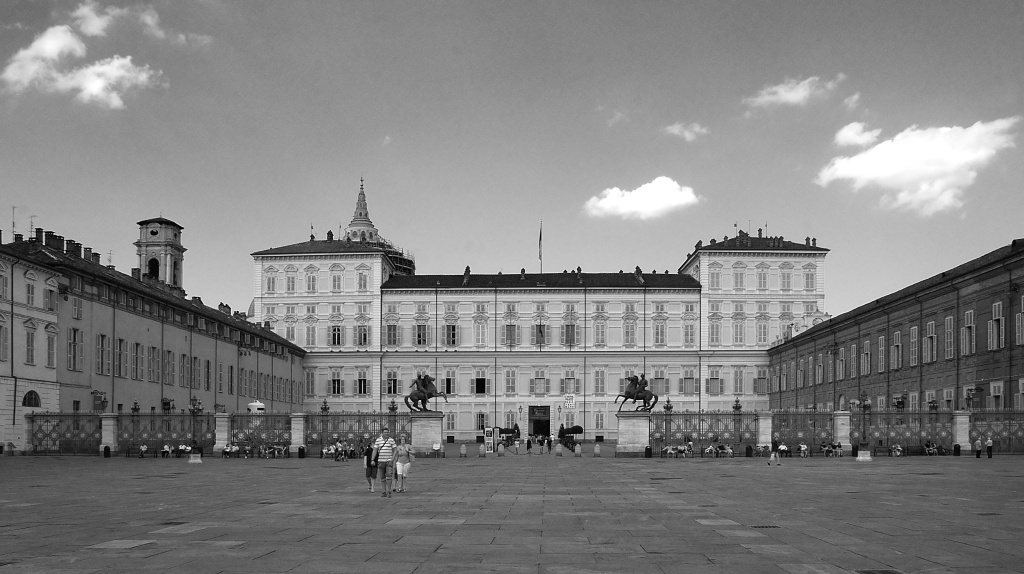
(361, 228)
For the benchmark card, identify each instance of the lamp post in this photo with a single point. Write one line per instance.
(393, 417)
(324, 409)
(668, 406)
(865, 407)
(737, 418)
(520, 412)
(135, 421)
(195, 408)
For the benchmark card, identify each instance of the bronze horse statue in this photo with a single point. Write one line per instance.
(425, 390)
(636, 390)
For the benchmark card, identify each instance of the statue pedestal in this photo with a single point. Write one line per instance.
(426, 430)
(634, 434)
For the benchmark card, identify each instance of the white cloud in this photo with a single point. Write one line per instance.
(687, 132)
(793, 92)
(852, 102)
(35, 64)
(102, 82)
(387, 140)
(854, 134)
(650, 200)
(94, 22)
(617, 117)
(924, 170)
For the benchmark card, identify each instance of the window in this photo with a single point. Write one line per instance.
(714, 279)
(76, 307)
(289, 283)
(337, 336)
(714, 385)
(310, 378)
(270, 310)
(450, 382)
(761, 382)
(1019, 331)
(949, 338)
(289, 332)
(865, 359)
(153, 365)
(362, 386)
(169, 367)
(391, 337)
(481, 384)
(510, 336)
(689, 333)
(913, 345)
(289, 309)
(363, 281)
(762, 332)
(739, 329)
(220, 377)
(600, 334)
(715, 307)
(51, 350)
(392, 383)
(738, 277)
(421, 335)
(30, 346)
(569, 335)
(881, 354)
(30, 294)
(310, 335)
(184, 375)
(451, 335)
(481, 308)
(102, 355)
(449, 421)
(841, 364)
(659, 333)
(715, 333)
(629, 333)
(787, 280)
(967, 338)
(362, 335)
(570, 384)
(480, 333)
(539, 383)
(762, 279)
(336, 282)
(538, 335)
(853, 361)
(3, 286)
(737, 381)
(311, 282)
(362, 308)
(49, 299)
(931, 343)
(120, 358)
(809, 280)
(599, 420)
(996, 328)
(311, 309)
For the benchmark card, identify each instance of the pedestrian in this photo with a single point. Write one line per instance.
(775, 454)
(517, 446)
(977, 448)
(405, 457)
(384, 456)
(371, 470)
(529, 444)
(988, 446)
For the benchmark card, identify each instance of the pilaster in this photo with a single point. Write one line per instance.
(764, 428)
(841, 430)
(298, 434)
(222, 432)
(634, 434)
(962, 429)
(108, 432)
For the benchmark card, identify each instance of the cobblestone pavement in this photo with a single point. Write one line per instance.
(530, 514)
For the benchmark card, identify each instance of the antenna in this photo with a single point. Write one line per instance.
(110, 257)
(32, 222)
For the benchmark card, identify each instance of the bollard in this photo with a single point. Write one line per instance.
(483, 451)
(558, 449)
(462, 451)
(597, 450)
(501, 450)
(302, 451)
(578, 450)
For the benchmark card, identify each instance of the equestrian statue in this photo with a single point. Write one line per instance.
(425, 390)
(637, 391)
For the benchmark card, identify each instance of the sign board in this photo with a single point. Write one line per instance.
(570, 402)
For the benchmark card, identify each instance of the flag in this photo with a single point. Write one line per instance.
(540, 242)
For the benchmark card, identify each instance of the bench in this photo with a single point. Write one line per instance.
(915, 449)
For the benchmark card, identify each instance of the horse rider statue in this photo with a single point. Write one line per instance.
(424, 391)
(636, 390)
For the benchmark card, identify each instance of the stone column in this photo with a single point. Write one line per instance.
(764, 428)
(426, 431)
(108, 432)
(841, 430)
(962, 431)
(634, 434)
(298, 434)
(222, 431)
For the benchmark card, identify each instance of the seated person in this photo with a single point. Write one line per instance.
(142, 451)
(803, 450)
(896, 450)
(165, 451)
(837, 448)
(784, 450)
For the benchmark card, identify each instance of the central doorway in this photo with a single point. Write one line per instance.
(540, 421)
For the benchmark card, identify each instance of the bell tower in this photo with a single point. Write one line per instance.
(160, 252)
(361, 228)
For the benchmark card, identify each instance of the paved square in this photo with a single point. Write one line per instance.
(533, 514)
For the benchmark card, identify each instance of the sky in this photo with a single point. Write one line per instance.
(888, 131)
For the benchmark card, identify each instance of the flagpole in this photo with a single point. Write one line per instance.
(540, 246)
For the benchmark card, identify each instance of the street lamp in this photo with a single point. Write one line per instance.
(559, 412)
(668, 406)
(865, 407)
(195, 408)
(324, 409)
(520, 412)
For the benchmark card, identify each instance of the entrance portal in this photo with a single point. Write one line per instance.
(540, 421)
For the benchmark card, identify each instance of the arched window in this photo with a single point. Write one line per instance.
(31, 400)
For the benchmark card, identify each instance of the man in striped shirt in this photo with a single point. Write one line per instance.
(384, 453)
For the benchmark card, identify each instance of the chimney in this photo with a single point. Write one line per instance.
(814, 242)
(522, 274)
(48, 238)
(266, 324)
(96, 258)
(136, 273)
(18, 238)
(87, 253)
(465, 277)
(330, 235)
(197, 300)
(111, 267)
(808, 240)
(39, 234)
(639, 275)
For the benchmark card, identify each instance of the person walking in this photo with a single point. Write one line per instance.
(405, 456)
(988, 446)
(977, 448)
(529, 445)
(775, 454)
(517, 446)
(368, 464)
(384, 457)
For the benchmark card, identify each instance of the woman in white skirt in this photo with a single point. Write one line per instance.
(405, 458)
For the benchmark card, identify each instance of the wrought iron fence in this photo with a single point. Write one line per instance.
(703, 430)
(906, 428)
(66, 433)
(356, 429)
(155, 430)
(1004, 427)
(809, 428)
(262, 432)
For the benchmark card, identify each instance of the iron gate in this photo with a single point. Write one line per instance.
(155, 430)
(1006, 428)
(702, 430)
(809, 428)
(262, 432)
(356, 429)
(906, 428)
(66, 433)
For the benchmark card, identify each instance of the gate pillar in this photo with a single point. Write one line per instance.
(634, 434)
(841, 430)
(962, 429)
(426, 430)
(764, 428)
(298, 434)
(108, 433)
(222, 431)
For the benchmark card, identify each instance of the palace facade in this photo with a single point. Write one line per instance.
(950, 342)
(537, 350)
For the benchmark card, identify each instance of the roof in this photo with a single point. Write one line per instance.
(160, 220)
(565, 280)
(745, 242)
(989, 259)
(57, 259)
(323, 246)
